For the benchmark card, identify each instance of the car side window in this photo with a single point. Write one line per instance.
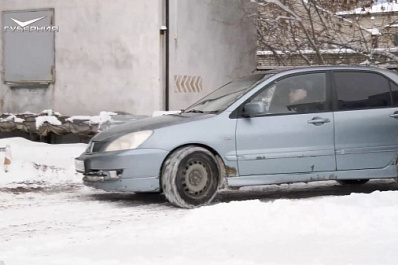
(362, 90)
(304, 93)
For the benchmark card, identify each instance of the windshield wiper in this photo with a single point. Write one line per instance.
(202, 111)
(193, 111)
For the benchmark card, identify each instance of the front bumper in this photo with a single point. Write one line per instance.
(129, 171)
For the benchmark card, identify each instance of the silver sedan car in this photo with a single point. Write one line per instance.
(283, 126)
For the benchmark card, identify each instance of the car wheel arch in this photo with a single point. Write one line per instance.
(220, 161)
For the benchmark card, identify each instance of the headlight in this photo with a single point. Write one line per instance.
(129, 141)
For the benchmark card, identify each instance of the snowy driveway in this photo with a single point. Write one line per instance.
(78, 225)
(48, 218)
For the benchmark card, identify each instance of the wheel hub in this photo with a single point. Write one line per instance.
(196, 177)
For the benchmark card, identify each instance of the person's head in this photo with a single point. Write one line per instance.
(297, 94)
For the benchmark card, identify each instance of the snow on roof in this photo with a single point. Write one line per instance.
(40, 120)
(104, 116)
(326, 51)
(12, 117)
(381, 6)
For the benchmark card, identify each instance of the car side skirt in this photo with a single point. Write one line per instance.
(389, 171)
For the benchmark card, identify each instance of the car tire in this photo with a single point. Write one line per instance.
(352, 181)
(190, 177)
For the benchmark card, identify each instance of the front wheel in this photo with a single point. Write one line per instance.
(352, 181)
(190, 177)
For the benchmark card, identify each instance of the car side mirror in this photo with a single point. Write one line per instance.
(253, 109)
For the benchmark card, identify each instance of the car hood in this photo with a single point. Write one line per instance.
(151, 123)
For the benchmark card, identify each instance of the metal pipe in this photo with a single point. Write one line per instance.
(167, 70)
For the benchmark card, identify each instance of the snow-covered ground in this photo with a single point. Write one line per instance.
(47, 217)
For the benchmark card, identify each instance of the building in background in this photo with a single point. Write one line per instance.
(131, 56)
(380, 20)
(340, 32)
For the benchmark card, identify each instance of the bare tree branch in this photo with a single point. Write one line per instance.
(296, 27)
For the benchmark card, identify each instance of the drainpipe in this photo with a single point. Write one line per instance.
(167, 73)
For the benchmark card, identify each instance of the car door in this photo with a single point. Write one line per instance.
(290, 136)
(366, 122)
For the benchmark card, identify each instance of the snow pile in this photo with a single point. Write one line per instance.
(49, 119)
(13, 118)
(103, 117)
(55, 118)
(49, 116)
(34, 163)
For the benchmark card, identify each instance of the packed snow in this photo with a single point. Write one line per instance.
(47, 217)
(33, 162)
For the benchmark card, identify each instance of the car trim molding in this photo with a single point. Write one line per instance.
(375, 149)
(300, 154)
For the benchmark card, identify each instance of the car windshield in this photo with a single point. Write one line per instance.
(223, 97)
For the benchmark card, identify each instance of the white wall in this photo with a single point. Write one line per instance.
(107, 58)
(210, 39)
(109, 54)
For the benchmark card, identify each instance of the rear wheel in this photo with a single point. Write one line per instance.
(190, 177)
(352, 181)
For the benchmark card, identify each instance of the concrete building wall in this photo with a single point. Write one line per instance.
(110, 55)
(107, 58)
(211, 43)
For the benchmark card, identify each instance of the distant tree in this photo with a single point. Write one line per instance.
(300, 26)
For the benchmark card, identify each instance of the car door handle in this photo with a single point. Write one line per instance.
(395, 115)
(318, 120)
